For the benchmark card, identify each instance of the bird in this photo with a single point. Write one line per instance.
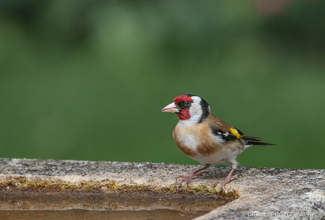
(206, 138)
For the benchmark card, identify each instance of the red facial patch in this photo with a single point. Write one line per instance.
(184, 115)
(183, 98)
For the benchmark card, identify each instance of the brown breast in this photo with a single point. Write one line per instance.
(199, 137)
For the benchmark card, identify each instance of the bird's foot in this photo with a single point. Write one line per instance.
(188, 178)
(225, 181)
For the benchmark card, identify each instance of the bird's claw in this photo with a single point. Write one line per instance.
(188, 178)
(224, 182)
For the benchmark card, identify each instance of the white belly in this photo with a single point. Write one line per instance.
(224, 156)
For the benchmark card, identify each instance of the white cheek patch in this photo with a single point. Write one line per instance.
(195, 112)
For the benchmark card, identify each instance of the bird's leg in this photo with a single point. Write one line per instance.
(193, 175)
(228, 178)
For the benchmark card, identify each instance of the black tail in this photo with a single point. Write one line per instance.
(250, 140)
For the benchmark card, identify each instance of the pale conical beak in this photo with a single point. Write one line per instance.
(172, 108)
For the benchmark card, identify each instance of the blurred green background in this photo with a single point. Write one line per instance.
(87, 79)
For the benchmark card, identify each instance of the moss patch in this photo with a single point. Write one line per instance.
(106, 187)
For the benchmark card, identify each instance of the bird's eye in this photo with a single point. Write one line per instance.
(187, 103)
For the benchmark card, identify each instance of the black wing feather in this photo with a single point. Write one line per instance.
(226, 136)
(250, 140)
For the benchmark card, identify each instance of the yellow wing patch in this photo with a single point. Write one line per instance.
(235, 133)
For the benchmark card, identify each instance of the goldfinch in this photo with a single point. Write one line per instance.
(206, 138)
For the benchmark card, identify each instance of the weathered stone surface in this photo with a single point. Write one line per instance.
(265, 193)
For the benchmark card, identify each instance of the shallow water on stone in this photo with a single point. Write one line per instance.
(98, 215)
(78, 205)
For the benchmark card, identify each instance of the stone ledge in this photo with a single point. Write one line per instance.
(265, 193)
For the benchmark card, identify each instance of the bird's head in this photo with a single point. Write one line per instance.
(189, 108)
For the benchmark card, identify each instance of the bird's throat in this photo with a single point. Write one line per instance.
(184, 114)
